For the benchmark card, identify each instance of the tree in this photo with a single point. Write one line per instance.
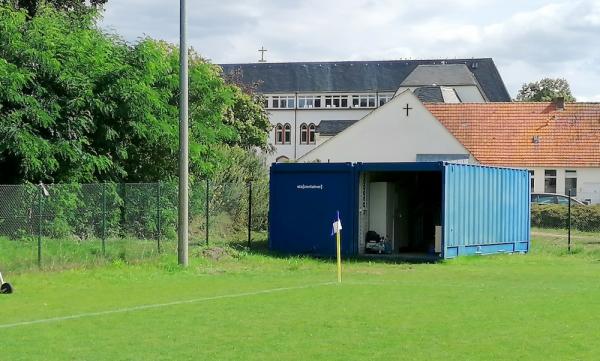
(32, 6)
(48, 67)
(544, 90)
(79, 105)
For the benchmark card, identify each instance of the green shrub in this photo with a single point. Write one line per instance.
(583, 218)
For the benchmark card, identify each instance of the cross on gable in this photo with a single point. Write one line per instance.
(262, 54)
(407, 108)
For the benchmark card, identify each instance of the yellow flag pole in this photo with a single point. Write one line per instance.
(339, 256)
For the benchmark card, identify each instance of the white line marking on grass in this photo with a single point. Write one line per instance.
(158, 305)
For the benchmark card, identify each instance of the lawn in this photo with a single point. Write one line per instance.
(22, 255)
(252, 306)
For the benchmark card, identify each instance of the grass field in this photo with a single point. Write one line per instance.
(251, 306)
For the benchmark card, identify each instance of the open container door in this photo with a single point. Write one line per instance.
(486, 210)
(400, 204)
(304, 199)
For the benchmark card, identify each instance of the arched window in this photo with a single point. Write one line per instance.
(282, 159)
(311, 134)
(279, 134)
(287, 134)
(303, 134)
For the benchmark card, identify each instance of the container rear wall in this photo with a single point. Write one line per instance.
(486, 210)
(304, 199)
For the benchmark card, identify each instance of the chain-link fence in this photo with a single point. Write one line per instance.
(61, 224)
(573, 229)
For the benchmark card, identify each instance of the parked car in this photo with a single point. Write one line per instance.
(552, 198)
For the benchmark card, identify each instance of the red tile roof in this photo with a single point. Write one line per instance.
(525, 134)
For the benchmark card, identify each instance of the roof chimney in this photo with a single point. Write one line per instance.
(559, 103)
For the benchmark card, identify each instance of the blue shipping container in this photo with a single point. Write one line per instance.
(422, 209)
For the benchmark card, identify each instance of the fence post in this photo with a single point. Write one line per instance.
(40, 210)
(249, 213)
(123, 208)
(569, 223)
(158, 216)
(207, 209)
(104, 219)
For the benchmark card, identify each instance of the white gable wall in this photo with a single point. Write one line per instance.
(388, 135)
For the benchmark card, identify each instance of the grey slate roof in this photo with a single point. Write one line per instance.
(443, 74)
(333, 127)
(429, 94)
(357, 76)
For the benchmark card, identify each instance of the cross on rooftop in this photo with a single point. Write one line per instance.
(262, 54)
(407, 108)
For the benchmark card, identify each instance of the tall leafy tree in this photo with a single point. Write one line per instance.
(544, 90)
(79, 105)
(32, 6)
(47, 71)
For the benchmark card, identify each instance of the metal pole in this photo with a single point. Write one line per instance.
(104, 219)
(182, 246)
(40, 210)
(158, 216)
(206, 210)
(249, 213)
(569, 223)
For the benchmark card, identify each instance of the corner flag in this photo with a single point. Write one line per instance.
(337, 230)
(337, 225)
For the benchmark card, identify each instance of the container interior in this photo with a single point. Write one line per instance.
(399, 212)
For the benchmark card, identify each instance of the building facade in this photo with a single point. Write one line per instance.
(307, 102)
(559, 143)
(402, 130)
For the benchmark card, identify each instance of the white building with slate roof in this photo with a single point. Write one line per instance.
(311, 102)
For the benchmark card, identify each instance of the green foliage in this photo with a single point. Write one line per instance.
(79, 105)
(583, 218)
(244, 167)
(32, 6)
(45, 73)
(545, 90)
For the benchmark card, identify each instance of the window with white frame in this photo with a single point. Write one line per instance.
(336, 101)
(303, 133)
(283, 101)
(279, 134)
(550, 181)
(364, 101)
(311, 134)
(287, 134)
(532, 180)
(571, 182)
(309, 101)
(384, 98)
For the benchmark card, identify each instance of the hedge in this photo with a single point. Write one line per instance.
(583, 218)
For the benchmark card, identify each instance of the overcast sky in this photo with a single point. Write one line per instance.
(528, 39)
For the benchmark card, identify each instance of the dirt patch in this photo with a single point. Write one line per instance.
(215, 253)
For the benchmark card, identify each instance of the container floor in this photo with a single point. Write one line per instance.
(410, 257)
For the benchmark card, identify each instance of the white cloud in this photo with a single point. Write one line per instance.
(528, 40)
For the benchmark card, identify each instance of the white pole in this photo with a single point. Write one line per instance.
(182, 246)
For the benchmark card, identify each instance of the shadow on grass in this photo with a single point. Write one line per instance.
(261, 248)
